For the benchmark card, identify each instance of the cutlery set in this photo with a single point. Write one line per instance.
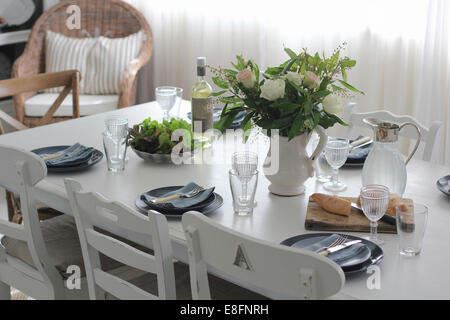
(338, 247)
(196, 191)
(62, 154)
(361, 142)
(339, 244)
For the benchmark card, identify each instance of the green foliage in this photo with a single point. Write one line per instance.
(154, 137)
(300, 109)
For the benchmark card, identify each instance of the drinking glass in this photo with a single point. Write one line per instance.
(117, 126)
(243, 193)
(374, 203)
(166, 97)
(115, 151)
(336, 153)
(411, 224)
(244, 163)
(178, 100)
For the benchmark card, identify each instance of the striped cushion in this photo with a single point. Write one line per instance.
(63, 53)
(101, 61)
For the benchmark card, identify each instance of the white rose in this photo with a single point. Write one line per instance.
(273, 89)
(332, 104)
(295, 78)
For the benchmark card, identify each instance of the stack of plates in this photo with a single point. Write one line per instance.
(74, 165)
(372, 254)
(211, 204)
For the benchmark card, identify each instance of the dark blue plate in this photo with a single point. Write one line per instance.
(83, 164)
(358, 263)
(443, 184)
(211, 204)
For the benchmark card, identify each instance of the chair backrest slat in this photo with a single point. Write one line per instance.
(38, 82)
(115, 213)
(92, 211)
(13, 230)
(428, 135)
(121, 251)
(291, 273)
(119, 288)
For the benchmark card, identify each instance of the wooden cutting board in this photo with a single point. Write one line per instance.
(317, 219)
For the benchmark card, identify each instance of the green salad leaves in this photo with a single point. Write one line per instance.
(156, 138)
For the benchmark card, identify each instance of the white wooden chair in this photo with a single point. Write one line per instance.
(290, 273)
(20, 170)
(90, 209)
(35, 256)
(429, 135)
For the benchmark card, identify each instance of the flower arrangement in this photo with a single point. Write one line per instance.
(295, 97)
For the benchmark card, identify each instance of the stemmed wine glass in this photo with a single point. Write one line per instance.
(166, 97)
(244, 164)
(336, 153)
(374, 203)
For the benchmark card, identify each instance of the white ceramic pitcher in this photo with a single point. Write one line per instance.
(288, 165)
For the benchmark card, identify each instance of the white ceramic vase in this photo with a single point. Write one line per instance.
(288, 165)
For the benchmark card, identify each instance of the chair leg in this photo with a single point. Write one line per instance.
(5, 291)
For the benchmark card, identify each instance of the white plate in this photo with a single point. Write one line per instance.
(16, 12)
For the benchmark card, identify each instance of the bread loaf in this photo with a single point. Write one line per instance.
(333, 204)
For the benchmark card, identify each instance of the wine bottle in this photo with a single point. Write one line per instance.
(201, 103)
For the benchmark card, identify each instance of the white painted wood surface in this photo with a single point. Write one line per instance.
(91, 210)
(286, 271)
(274, 219)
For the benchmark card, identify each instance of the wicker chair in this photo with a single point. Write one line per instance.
(111, 18)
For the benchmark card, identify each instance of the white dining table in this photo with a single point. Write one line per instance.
(274, 219)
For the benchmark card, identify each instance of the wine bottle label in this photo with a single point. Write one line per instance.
(202, 114)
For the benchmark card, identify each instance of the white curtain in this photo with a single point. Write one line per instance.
(401, 46)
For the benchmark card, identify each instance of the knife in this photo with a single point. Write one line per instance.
(386, 218)
(360, 142)
(339, 247)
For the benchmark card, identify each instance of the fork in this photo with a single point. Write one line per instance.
(58, 155)
(340, 240)
(189, 194)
